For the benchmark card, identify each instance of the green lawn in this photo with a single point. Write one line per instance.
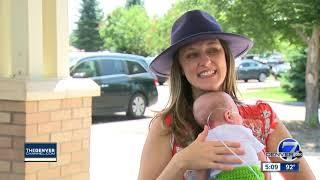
(272, 94)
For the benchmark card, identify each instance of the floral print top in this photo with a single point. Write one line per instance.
(260, 118)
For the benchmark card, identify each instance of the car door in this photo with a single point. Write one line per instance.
(138, 77)
(113, 81)
(253, 70)
(243, 70)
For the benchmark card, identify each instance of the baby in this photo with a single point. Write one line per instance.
(220, 113)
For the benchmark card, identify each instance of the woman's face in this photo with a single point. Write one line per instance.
(204, 65)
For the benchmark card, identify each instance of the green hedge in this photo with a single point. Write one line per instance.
(294, 80)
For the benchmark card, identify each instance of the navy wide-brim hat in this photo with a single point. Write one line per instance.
(193, 26)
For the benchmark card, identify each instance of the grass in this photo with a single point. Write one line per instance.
(272, 94)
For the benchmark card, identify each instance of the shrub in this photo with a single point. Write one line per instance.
(294, 80)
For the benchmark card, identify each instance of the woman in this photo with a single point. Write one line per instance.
(201, 59)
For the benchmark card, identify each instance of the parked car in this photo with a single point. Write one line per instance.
(279, 69)
(161, 79)
(251, 69)
(252, 56)
(273, 60)
(126, 84)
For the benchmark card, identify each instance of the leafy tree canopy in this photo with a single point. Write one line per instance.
(125, 30)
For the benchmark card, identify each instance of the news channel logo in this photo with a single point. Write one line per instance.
(289, 150)
(40, 152)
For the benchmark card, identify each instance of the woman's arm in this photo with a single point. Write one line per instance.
(156, 154)
(279, 134)
(263, 158)
(157, 161)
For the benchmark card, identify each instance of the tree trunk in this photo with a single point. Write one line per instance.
(312, 82)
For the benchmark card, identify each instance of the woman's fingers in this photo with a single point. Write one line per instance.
(227, 159)
(225, 151)
(202, 154)
(220, 166)
(203, 135)
(220, 148)
(228, 143)
(223, 154)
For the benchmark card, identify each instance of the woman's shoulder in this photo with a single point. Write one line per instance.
(160, 125)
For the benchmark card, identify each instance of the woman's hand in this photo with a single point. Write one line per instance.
(202, 154)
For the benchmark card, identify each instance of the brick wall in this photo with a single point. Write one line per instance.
(64, 121)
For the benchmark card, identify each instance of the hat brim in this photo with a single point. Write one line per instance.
(238, 45)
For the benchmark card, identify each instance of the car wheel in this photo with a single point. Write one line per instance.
(137, 106)
(245, 80)
(262, 77)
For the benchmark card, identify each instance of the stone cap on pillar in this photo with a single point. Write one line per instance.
(33, 90)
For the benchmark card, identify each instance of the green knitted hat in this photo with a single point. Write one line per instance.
(241, 173)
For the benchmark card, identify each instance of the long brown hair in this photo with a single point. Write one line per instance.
(183, 126)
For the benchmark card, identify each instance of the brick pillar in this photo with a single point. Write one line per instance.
(64, 121)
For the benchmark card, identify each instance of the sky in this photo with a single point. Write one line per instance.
(153, 7)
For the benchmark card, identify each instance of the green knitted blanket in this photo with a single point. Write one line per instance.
(241, 173)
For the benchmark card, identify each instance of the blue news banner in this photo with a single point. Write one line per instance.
(280, 167)
(289, 150)
(40, 152)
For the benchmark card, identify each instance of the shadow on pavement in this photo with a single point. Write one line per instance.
(308, 138)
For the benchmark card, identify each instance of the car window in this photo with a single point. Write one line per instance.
(111, 67)
(254, 65)
(245, 64)
(87, 69)
(135, 68)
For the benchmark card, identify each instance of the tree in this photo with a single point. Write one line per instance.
(225, 11)
(130, 3)
(300, 21)
(161, 33)
(87, 36)
(125, 30)
(297, 21)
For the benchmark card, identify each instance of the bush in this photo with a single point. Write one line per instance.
(294, 80)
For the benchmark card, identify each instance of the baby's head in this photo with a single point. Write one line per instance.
(219, 106)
